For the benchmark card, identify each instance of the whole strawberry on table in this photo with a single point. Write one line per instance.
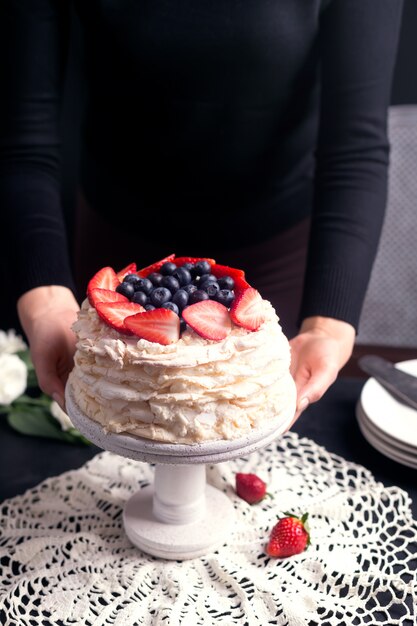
(289, 536)
(250, 487)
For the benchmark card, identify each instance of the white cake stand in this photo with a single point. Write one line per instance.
(180, 516)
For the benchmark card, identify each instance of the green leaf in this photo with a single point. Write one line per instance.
(26, 358)
(73, 432)
(42, 401)
(32, 380)
(34, 421)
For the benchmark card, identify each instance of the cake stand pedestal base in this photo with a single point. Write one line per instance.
(179, 516)
(178, 541)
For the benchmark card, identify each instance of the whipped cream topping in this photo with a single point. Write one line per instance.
(191, 391)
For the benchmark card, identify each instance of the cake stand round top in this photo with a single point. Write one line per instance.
(151, 451)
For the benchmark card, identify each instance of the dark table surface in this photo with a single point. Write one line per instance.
(26, 461)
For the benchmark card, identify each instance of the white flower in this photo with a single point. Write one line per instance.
(13, 378)
(10, 342)
(61, 416)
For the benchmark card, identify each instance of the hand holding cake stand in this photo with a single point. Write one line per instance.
(180, 516)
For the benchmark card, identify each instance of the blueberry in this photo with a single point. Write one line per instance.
(206, 279)
(171, 283)
(189, 288)
(143, 284)
(225, 296)
(168, 268)
(180, 298)
(182, 275)
(226, 282)
(131, 278)
(155, 278)
(139, 297)
(149, 307)
(160, 295)
(193, 270)
(197, 296)
(183, 326)
(202, 267)
(212, 289)
(171, 306)
(188, 266)
(126, 289)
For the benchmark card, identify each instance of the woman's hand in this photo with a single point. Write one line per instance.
(320, 350)
(46, 315)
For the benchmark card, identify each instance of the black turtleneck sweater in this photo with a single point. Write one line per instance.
(246, 115)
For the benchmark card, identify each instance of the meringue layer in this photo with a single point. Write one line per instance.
(191, 391)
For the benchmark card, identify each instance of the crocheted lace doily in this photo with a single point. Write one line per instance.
(64, 557)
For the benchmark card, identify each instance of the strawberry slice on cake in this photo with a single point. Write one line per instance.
(154, 267)
(129, 269)
(105, 295)
(247, 309)
(209, 319)
(115, 313)
(159, 325)
(106, 278)
(182, 260)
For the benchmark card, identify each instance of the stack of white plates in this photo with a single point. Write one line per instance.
(389, 425)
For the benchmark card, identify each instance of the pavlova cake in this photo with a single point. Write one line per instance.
(184, 350)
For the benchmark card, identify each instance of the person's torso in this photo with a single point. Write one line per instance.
(214, 101)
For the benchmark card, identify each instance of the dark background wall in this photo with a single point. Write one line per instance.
(404, 92)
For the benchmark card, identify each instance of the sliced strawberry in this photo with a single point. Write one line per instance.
(145, 271)
(241, 284)
(209, 319)
(129, 269)
(105, 278)
(105, 295)
(238, 276)
(159, 325)
(181, 260)
(115, 313)
(247, 309)
(225, 270)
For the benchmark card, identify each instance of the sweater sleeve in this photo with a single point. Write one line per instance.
(33, 48)
(358, 41)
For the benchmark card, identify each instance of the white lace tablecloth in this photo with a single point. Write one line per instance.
(64, 558)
